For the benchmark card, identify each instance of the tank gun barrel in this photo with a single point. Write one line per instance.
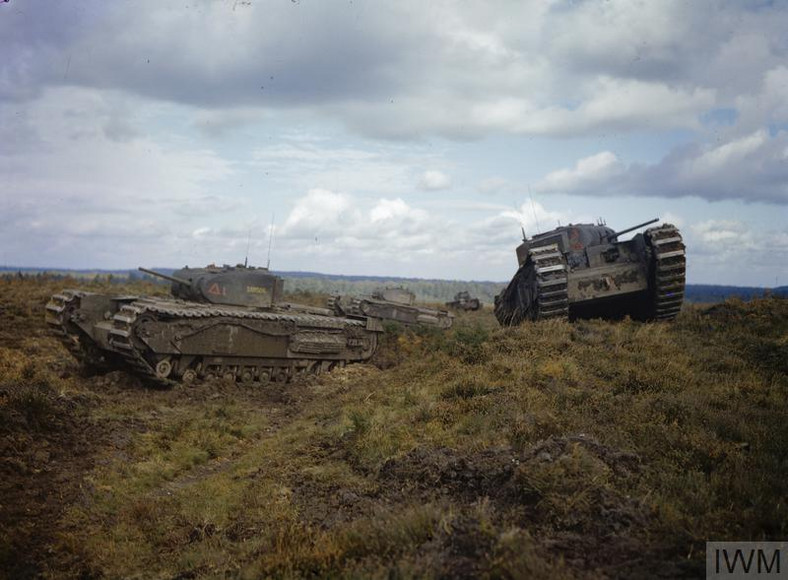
(165, 276)
(633, 228)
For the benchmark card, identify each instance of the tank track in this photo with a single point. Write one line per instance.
(552, 284)
(59, 310)
(136, 358)
(538, 291)
(669, 271)
(59, 317)
(121, 339)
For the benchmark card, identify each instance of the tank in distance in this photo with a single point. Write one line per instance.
(464, 301)
(391, 304)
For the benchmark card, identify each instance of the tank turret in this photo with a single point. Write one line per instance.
(231, 285)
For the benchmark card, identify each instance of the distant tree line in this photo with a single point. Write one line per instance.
(444, 290)
(430, 291)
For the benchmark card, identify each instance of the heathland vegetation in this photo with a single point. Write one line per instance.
(561, 450)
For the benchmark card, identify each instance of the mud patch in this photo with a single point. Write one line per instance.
(445, 471)
(567, 492)
(497, 473)
(47, 444)
(120, 385)
(564, 497)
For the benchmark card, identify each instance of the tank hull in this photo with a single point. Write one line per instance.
(391, 311)
(170, 341)
(643, 277)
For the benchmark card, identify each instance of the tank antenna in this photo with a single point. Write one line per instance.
(248, 242)
(270, 240)
(533, 209)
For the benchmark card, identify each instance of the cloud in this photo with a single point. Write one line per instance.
(84, 193)
(606, 104)
(304, 163)
(389, 210)
(320, 212)
(327, 225)
(534, 218)
(752, 167)
(148, 131)
(434, 180)
(669, 217)
(716, 247)
(586, 174)
(722, 233)
(494, 185)
(217, 124)
(710, 162)
(458, 70)
(392, 235)
(769, 105)
(339, 218)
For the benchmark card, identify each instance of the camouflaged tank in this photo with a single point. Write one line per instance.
(227, 322)
(395, 304)
(583, 271)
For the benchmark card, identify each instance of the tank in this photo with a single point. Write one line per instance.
(464, 301)
(228, 322)
(394, 304)
(584, 271)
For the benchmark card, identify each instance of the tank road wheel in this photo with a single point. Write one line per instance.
(280, 375)
(247, 376)
(320, 367)
(265, 376)
(163, 368)
(189, 377)
(315, 368)
(229, 376)
(668, 270)
(337, 364)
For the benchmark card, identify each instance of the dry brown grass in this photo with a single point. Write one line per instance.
(591, 449)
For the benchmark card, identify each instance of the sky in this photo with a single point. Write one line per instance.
(402, 138)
